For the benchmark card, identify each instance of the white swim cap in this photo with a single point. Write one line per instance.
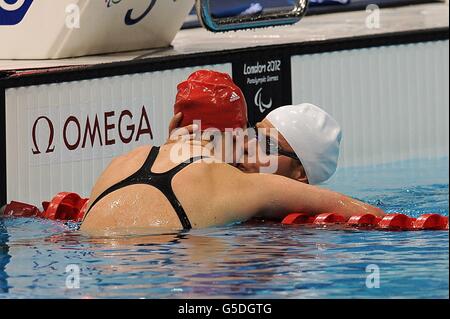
(314, 136)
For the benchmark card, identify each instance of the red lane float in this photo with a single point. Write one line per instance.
(430, 222)
(298, 219)
(83, 211)
(396, 222)
(70, 206)
(369, 221)
(64, 207)
(366, 220)
(330, 218)
(18, 209)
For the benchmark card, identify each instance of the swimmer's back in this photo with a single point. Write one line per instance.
(197, 187)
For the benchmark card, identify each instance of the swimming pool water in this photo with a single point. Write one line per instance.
(246, 261)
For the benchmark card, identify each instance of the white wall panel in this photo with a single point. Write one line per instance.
(392, 102)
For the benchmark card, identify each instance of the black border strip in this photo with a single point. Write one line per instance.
(2, 147)
(170, 307)
(218, 57)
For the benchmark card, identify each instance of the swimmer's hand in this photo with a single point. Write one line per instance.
(175, 122)
(176, 132)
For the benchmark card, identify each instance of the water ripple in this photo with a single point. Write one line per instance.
(241, 261)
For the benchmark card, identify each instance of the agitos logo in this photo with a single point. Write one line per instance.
(80, 133)
(12, 12)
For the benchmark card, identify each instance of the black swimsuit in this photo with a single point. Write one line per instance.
(161, 181)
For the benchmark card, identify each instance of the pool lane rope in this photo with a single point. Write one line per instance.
(371, 222)
(64, 207)
(72, 207)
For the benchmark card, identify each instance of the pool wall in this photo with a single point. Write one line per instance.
(390, 92)
(392, 101)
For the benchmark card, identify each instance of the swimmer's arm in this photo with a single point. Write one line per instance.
(278, 196)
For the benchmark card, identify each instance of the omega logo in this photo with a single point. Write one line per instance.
(80, 133)
(51, 135)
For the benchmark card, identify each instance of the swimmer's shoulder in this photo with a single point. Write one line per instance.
(120, 168)
(136, 156)
(126, 164)
(213, 173)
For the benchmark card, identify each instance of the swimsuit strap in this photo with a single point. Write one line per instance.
(161, 181)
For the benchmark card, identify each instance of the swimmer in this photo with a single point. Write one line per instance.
(304, 139)
(149, 188)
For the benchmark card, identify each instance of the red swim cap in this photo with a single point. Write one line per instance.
(213, 98)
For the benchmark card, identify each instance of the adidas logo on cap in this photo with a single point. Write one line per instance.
(234, 97)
